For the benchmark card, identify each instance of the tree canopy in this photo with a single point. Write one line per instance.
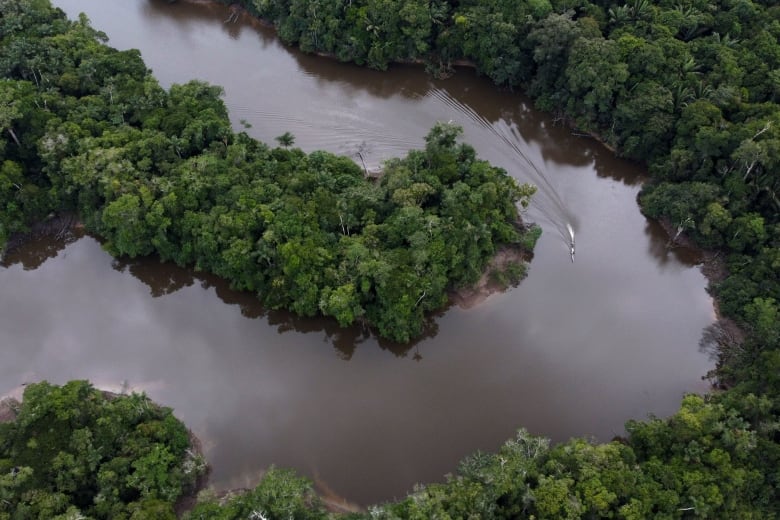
(73, 450)
(689, 88)
(154, 172)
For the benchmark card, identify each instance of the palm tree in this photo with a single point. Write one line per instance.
(286, 139)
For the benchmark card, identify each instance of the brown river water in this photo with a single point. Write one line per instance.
(576, 350)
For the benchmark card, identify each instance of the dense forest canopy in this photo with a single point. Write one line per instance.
(87, 128)
(689, 87)
(73, 451)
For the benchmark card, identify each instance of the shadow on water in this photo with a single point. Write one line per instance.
(668, 254)
(608, 166)
(34, 251)
(405, 81)
(190, 14)
(164, 278)
(161, 277)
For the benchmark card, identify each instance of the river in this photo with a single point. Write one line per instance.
(576, 350)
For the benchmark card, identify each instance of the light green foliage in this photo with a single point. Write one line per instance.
(529, 239)
(279, 496)
(687, 205)
(763, 314)
(714, 224)
(342, 303)
(747, 231)
(123, 219)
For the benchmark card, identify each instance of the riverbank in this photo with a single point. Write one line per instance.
(504, 270)
(725, 336)
(60, 226)
(497, 278)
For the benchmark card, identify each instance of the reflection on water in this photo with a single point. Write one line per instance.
(664, 252)
(32, 258)
(166, 278)
(577, 349)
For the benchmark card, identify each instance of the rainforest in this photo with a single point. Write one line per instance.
(690, 89)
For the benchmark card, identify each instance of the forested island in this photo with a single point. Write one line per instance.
(690, 89)
(88, 130)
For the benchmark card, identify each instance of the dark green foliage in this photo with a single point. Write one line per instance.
(690, 88)
(157, 172)
(529, 239)
(705, 462)
(74, 449)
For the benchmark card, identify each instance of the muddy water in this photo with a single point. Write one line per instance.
(577, 349)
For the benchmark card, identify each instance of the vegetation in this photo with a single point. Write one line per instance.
(704, 462)
(281, 494)
(690, 88)
(87, 129)
(73, 451)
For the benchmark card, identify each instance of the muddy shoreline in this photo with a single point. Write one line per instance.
(488, 285)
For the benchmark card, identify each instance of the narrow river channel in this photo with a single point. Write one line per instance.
(576, 350)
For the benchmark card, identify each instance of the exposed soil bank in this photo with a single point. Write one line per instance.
(488, 284)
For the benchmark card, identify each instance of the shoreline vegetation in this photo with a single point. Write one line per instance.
(73, 449)
(691, 90)
(155, 172)
(505, 269)
(692, 93)
(55, 225)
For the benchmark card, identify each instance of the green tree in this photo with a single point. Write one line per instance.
(596, 74)
(124, 224)
(286, 139)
